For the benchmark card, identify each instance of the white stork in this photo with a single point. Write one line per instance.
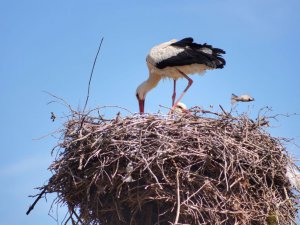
(176, 59)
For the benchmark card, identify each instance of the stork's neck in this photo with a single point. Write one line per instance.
(147, 85)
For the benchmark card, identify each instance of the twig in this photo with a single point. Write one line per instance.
(61, 101)
(226, 113)
(178, 198)
(89, 85)
(36, 200)
(115, 106)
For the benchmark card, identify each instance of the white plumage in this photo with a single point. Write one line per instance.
(180, 109)
(165, 51)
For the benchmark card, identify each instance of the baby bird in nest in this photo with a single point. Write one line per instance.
(180, 109)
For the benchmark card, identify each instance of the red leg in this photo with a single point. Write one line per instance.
(190, 82)
(174, 93)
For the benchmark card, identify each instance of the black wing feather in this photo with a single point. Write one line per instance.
(194, 53)
(184, 42)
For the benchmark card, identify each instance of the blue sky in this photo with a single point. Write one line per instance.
(50, 46)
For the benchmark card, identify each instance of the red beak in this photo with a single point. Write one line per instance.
(141, 105)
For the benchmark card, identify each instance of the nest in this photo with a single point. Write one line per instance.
(197, 168)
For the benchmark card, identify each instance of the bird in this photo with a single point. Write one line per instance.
(178, 59)
(180, 109)
(242, 98)
(53, 117)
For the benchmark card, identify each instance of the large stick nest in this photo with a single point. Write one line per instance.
(153, 169)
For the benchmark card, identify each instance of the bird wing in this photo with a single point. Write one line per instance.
(184, 42)
(193, 53)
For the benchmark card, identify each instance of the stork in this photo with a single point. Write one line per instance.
(177, 59)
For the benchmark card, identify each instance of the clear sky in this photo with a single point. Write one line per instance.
(50, 46)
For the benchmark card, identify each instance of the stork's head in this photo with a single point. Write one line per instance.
(141, 103)
(141, 95)
(144, 88)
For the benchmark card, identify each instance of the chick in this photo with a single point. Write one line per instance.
(180, 109)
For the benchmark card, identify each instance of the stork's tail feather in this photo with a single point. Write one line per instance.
(220, 63)
(201, 53)
(233, 98)
(215, 55)
(219, 51)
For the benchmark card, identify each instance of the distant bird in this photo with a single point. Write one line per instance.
(176, 59)
(53, 117)
(242, 98)
(180, 109)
